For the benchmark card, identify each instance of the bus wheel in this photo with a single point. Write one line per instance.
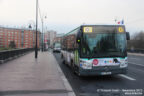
(73, 68)
(78, 73)
(63, 62)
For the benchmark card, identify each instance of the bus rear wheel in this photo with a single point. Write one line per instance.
(63, 62)
(73, 68)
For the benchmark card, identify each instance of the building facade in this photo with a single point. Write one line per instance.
(22, 38)
(58, 37)
(49, 37)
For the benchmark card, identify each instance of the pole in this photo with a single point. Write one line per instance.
(36, 52)
(42, 37)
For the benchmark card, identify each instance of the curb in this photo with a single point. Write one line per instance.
(66, 83)
(136, 54)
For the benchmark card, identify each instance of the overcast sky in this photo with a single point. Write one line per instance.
(65, 15)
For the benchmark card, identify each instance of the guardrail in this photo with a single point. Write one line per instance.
(136, 50)
(9, 54)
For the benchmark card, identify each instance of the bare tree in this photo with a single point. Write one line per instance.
(12, 44)
(137, 41)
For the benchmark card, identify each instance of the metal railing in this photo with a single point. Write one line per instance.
(7, 54)
(136, 50)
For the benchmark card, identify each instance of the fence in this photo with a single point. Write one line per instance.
(7, 54)
(136, 50)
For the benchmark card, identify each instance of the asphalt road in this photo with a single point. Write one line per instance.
(131, 84)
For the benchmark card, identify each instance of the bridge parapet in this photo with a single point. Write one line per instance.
(6, 55)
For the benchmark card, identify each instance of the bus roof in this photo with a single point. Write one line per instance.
(102, 25)
(72, 32)
(76, 29)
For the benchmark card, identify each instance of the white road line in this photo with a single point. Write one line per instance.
(136, 54)
(136, 64)
(65, 81)
(127, 77)
(133, 58)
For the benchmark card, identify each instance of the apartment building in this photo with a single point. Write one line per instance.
(49, 37)
(23, 38)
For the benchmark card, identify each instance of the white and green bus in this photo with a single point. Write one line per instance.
(96, 50)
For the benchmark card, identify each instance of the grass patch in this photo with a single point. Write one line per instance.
(1, 49)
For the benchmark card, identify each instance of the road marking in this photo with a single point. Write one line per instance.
(136, 64)
(133, 58)
(136, 54)
(127, 77)
(65, 81)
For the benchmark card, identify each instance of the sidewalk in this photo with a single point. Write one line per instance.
(26, 76)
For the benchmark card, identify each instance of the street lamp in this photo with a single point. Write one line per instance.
(42, 19)
(31, 25)
(36, 51)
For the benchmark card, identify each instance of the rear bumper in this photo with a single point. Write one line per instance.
(92, 72)
(56, 50)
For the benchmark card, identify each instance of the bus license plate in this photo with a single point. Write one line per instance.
(106, 73)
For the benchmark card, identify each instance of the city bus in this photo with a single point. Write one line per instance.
(96, 50)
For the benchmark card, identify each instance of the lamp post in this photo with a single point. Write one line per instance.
(36, 51)
(43, 32)
(31, 25)
(42, 36)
